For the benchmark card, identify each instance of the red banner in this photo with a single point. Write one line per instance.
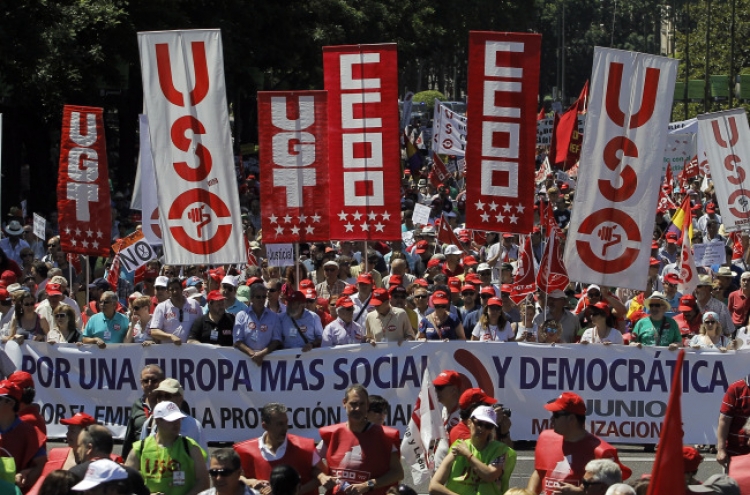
(83, 204)
(363, 127)
(502, 95)
(524, 281)
(552, 272)
(441, 171)
(293, 139)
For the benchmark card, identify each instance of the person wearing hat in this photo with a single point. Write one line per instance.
(717, 483)
(668, 253)
(500, 253)
(689, 318)
(257, 330)
(706, 302)
(13, 244)
(169, 448)
(27, 410)
(493, 325)
(725, 278)
(24, 442)
(331, 285)
(671, 281)
(363, 298)
(273, 292)
(656, 328)
(107, 326)
(67, 457)
(386, 323)
(557, 310)
(563, 451)
(300, 328)
(712, 232)
(449, 387)
(174, 317)
(478, 464)
(738, 302)
(398, 296)
(603, 328)
(276, 446)
(105, 477)
(160, 289)
(343, 330)
(216, 326)
(710, 335)
(692, 460)
(702, 223)
(440, 324)
(228, 289)
(471, 399)
(452, 266)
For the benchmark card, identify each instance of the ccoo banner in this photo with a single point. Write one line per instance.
(626, 389)
(618, 187)
(185, 100)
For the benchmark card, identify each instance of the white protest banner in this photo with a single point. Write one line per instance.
(726, 136)
(449, 129)
(185, 99)
(280, 254)
(626, 389)
(149, 194)
(626, 132)
(709, 253)
(421, 215)
(680, 149)
(40, 226)
(408, 238)
(134, 251)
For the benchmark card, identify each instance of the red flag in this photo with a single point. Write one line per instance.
(364, 165)
(441, 171)
(541, 114)
(665, 202)
(668, 180)
(83, 199)
(75, 260)
(293, 137)
(479, 236)
(564, 129)
(114, 272)
(446, 235)
(524, 281)
(668, 472)
(552, 273)
(737, 251)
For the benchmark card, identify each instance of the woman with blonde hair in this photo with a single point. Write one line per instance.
(26, 323)
(492, 325)
(66, 331)
(710, 335)
(550, 332)
(138, 329)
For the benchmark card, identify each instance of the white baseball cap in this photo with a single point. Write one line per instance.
(229, 280)
(452, 249)
(99, 472)
(168, 411)
(161, 281)
(486, 414)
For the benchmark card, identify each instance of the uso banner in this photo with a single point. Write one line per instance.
(500, 149)
(149, 196)
(293, 139)
(725, 136)
(620, 171)
(626, 389)
(363, 128)
(83, 203)
(448, 131)
(185, 99)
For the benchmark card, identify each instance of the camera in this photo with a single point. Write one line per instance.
(499, 407)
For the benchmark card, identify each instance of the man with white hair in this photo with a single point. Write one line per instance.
(600, 475)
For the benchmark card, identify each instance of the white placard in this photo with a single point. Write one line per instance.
(709, 253)
(421, 215)
(280, 254)
(40, 226)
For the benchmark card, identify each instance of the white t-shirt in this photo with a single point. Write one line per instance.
(592, 337)
(492, 333)
(168, 319)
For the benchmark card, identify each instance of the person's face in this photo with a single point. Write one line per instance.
(377, 415)
(441, 310)
(217, 307)
(364, 288)
(712, 228)
(356, 406)
(27, 257)
(276, 427)
(469, 297)
(169, 428)
(398, 299)
(590, 486)
(331, 272)
(703, 291)
(6, 406)
(107, 306)
(61, 318)
(494, 312)
(384, 307)
(480, 428)
(446, 394)
(53, 246)
(485, 276)
(273, 293)
(71, 437)
(556, 302)
(224, 477)
(227, 290)
(258, 298)
(81, 447)
(295, 307)
(150, 380)
(670, 289)
(162, 294)
(421, 299)
(54, 301)
(552, 334)
(712, 327)
(160, 396)
(175, 291)
(594, 296)
(561, 421)
(656, 310)
(744, 282)
(346, 314)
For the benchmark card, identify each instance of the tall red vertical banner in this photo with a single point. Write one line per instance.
(364, 165)
(501, 132)
(83, 202)
(293, 138)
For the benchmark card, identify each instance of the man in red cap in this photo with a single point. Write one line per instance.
(300, 328)
(27, 410)
(449, 387)
(66, 457)
(215, 327)
(398, 300)
(689, 319)
(387, 323)
(362, 299)
(563, 451)
(24, 442)
(343, 330)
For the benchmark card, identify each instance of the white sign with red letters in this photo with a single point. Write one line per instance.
(727, 139)
(185, 100)
(618, 187)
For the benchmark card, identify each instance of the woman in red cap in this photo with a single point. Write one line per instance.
(493, 326)
(602, 330)
(440, 324)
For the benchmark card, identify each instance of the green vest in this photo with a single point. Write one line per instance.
(464, 481)
(158, 464)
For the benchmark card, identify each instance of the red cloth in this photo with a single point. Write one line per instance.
(739, 306)
(23, 442)
(551, 453)
(374, 446)
(687, 327)
(30, 414)
(459, 432)
(55, 460)
(299, 454)
(736, 405)
(739, 471)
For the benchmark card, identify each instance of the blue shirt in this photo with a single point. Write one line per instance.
(234, 309)
(308, 323)
(257, 333)
(110, 331)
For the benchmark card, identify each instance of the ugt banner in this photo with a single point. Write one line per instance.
(83, 203)
(185, 99)
(363, 128)
(501, 133)
(725, 136)
(293, 138)
(620, 168)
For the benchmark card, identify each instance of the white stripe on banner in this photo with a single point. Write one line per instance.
(619, 177)
(626, 388)
(185, 100)
(149, 204)
(726, 136)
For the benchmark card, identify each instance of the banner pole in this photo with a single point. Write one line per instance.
(88, 276)
(296, 263)
(1, 160)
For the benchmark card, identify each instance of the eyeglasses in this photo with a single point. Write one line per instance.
(330, 269)
(560, 414)
(344, 308)
(227, 287)
(440, 306)
(146, 381)
(60, 316)
(138, 308)
(52, 245)
(273, 290)
(214, 473)
(440, 387)
(653, 306)
(710, 322)
(29, 305)
(485, 296)
(483, 424)
(258, 297)
(424, 296)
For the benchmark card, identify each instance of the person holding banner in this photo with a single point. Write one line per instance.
(493, 326)
(300, 327)
(656, 328)
(174, 317)
(343, 330)
(603, 329)
(257, 330)
(387, 323)
(710, 335)
(108, 326)
(441, 324)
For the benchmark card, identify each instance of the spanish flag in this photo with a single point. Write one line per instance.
(682, 220)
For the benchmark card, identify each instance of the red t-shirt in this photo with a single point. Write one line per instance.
(736, 405)
(739, 306)
(24, 442)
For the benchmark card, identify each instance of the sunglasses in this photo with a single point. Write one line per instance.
(61, 316)
(214, 473)
(150, 380)
(652, 306)
(710, 322)
(258, 297)
(29, 305)
(273, 290)
(485, 296)
(420, 297)
(330, 269)
(439, 387)
(138, 308)
(586, 483)
(560, 414)
(377, 410)
(483, 424)
(440, 306)
(344, 308)
(469, 293)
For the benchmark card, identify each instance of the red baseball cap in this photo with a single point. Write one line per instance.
(422, 282)
(9, 389)
(440, 297)
(306, 284)
(692, 459)
(568, 402)
(253, 280)
(433, 263)
(654, 245)
(379, 296)
(488, 290)
(78, 419)
(396, 288)
(53, 290)
(506, 288)
(395, 280)
(710, 208)
(8, 278)
(672, 278)
(468, 287)
(296, 296)
(215, 295)
(473, 278)
(495, 301)
(654, 262)
(602, 306)
(4, 295)
(422, 247)
(365, 278)
(475, 396)
(447, 377)
(344, 302)
(470, 261)
(311, 294)
(454, 284)
(22, 379)
(349, 290)
(672, 238)
(687, 303)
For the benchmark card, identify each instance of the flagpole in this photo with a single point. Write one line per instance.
(296, 263)
(88, 276)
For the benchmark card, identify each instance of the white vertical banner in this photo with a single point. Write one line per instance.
(620, 173)
(185, 99)
(726, 138)
(149, 204)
